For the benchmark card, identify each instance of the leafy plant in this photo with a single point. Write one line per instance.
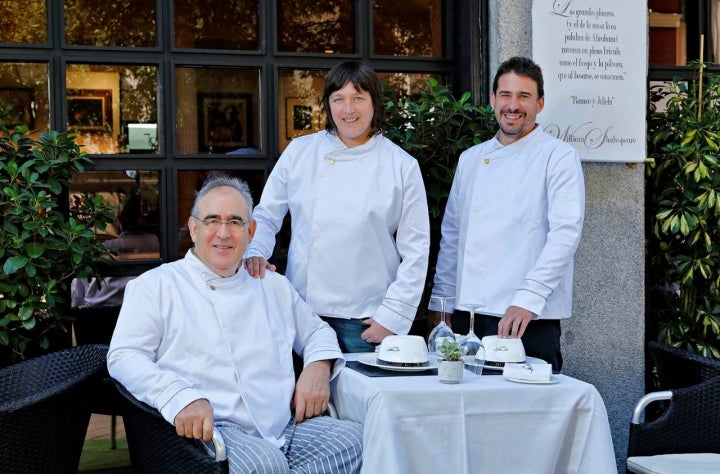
(683, 209)
(450, 351)
(45, 241)
(435, 128)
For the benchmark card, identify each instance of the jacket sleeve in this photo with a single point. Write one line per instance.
(399, 307)
(566, 212)
(132, 354)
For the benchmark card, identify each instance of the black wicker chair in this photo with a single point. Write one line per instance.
(678, 368)
(156, 447)
(95, 325)
(687, 433)
(44, 412)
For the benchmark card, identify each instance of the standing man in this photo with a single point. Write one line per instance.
(211, 348)
(513, 222)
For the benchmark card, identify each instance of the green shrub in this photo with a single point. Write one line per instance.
(683, 209)
(45, 240)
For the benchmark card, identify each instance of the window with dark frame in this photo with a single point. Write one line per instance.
(164, 93)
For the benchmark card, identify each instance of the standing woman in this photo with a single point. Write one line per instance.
(360, 230)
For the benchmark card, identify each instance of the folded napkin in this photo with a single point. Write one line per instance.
(532, 372)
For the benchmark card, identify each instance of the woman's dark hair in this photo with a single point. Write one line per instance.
(363, 78)
(522, 67)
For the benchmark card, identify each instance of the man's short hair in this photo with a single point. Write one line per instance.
(522, 67)
(216, 181)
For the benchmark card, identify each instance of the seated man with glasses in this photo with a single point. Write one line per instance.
(211, 347)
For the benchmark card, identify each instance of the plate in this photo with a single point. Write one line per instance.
(470, 361)
(371, 360)
(552, 380)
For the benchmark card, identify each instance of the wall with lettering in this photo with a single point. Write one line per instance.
(593, 54)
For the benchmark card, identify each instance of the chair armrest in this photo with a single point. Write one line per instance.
(647, 400)
(216, 447)
(690, 423)
(331, 410)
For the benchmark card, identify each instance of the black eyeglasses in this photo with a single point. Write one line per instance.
(214, 224)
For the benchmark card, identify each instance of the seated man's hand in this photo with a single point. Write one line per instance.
(375, 333)
(195, 420)
(312, 390)
(256, 266)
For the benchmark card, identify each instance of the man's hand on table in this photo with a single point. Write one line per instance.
(195, 420)
(312, 390)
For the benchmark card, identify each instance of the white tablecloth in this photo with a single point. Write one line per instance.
(485, 424)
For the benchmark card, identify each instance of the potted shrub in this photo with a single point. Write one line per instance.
(45, 239)
(451, 364)
(683, 211)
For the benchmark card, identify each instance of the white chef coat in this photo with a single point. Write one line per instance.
(185, 333)
(360, 227)
(511, 227)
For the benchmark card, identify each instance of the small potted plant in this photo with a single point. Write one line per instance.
(451, 364)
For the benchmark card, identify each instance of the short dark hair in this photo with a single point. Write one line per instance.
(522, 67)
(363, 78)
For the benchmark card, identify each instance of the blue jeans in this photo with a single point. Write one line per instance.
(348, 333)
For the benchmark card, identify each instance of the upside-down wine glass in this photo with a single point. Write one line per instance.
(442, 330)
(472, 343)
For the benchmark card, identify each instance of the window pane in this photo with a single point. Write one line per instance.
(300, 101)
(135, 194)
(316, 27)
(24, 96)
(217, 110)
(113, 108)
(404, 83)
(408, 29)
(215, 24)
(190, 182)
(116, 23)
(23, 22)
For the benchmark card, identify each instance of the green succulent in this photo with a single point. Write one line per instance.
(450, 351)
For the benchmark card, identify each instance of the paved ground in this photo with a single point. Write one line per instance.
(100, 427)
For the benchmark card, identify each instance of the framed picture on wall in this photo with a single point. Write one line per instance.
(224, 122)
(302, 116)
(90, 110)
(17, 106)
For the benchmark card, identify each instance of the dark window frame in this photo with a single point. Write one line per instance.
(465, 67)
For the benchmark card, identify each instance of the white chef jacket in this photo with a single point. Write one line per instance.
(511, 227)
(185, 333)
(360, 227)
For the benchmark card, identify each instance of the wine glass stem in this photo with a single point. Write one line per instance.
(472, 321)
(442, 310)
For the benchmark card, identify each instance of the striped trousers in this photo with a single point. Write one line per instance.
(320, 445)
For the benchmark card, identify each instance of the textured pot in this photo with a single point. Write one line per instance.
(450, 371)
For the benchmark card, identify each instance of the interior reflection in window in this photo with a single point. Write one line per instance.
(217, 110)
(113, 108)
(135, 195)
(410, 29)
(24, 96)
(316, 27)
